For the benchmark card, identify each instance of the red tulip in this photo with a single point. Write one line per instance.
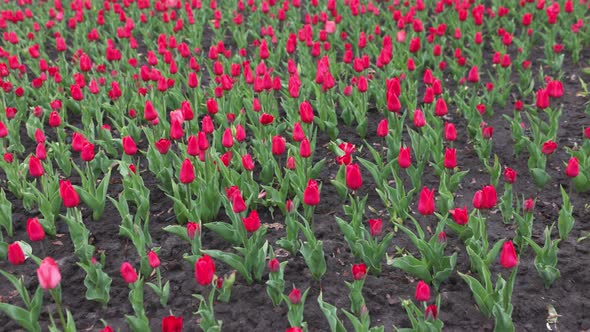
(311, 194)
(129, 146)
(48, 274)
(35, 230)
(54, 119)
(163, 145)
(153, 259)
(278, 145)
(383, 128)
(450, 132)
(294, 329)
(485, 198)
(431, 312)
(450, 160)
(107, 329)
(426, 204)
(204, 270)
(473, 75)
(422, 292)
(76, 92)
(510, 175)
(354, 179)
(542, 100)
(266, 118)
(404, 158)
(78, 141)
(192, 228)
(375, 227)
(251, 222)
(16, 256)
(460, 216)
(305, 148)
(247, 162)
(442, 237)
(572, 168)
(359, 271)
(295, 296)
(274, 265)
(68, 194)
(235, 197)
(440, 108)
(87, 153)
(172, 324)
(548, 147)
(419, 120)
(149, 113)
(298, 134)
(555, 89)
(187, 172)
(508, 257)
(128, 273)
(227, 139)
(35, 167)
(306, 112)
(529, 205)
(487, 131)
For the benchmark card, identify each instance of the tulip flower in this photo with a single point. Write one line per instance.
(354, 179)
(485, 198)
(129, 146)
(294, 329)
(295, 296)
(204, 270)
(548, 147)
(419, 120)
(431, 312)
(87, 153)
(450, 160)
(172, 324)
(278, 145)
(460, 216)
(273, 265)
(450, 132)
(298, 134)
(508, 257)
(383, 128)
(16, 256)
(422, 292)
(48, 274)
(426, 204)
(35, 167)
(251, 222)
(54, 119)
(359, 271)
(235, 197)
(68, 194)
(375, 227)
(163, 145)
(510, 175)
(305, 148)
(128, 273)
(153, 259)
(572, 170)
(404, 158)
(187, 172)
(34, 230)
(311, 194)
(306, 112)
(192, 228)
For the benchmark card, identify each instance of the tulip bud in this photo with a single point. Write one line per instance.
(128, 273)
(35, 167)
(572, 170)
(295, 296)
(172, 324)
(460, 216)
(187, 172)
(431, 312)
(359, 271)
(273, 265)
(298, 134)
(306, 112)
(34, 230)
(450, 160)
(48, 274)
(354, 179)
(305, 148)
(251, 222)
(383, 128)
(510, 175)
(16, 256)
(278, 145)
(291, 163)
(68, 194)
(529, 205)
(419, 120)
(508, 257)
(404, 158)
(311, 194)
(129, 146)
(375, 227)
(204, 270)
(450, 132)
(422, 292)
(191, 229)
(153, 259)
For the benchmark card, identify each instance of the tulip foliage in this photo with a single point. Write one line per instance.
(230, 138)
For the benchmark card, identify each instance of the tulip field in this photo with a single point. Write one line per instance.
(294, 165)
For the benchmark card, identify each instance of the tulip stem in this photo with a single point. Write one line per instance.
(57, 300)
(43, 252)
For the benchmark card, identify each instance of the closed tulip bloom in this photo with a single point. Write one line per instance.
(450, 160)
(3, 130)
(419, 120)
(510, 175)
(192, 146)
(383, 128)
(508, 257)
(529, 205)
(149, 113)
(291, 164)
(228, 139)
(187, 172)
(298, 134)
(251, 222)
(354, 179)
(129, 146)
(235, 197)
(207, 124)
(295, 296)
(40, 151)
(274, 265)
(34, 230)
(294, 329)
(78, 141)
(16, 256)
(422, 292)
(35, 167)
(163, 145)
(48, 274)
(450, 132)
(87, 153)
(128, 273)
(572, 168)
(542, 98)
(404, 158)
(306, 112)
(172, 324)
(266, 119)
(278, 145)
(247, 162)
(490, 196)
(440, 108)
(153, 259)
(431, 312)
(68, 194)
(204, 270)
(192, 229)
(311, 194)
(473, 75)
(426, 202)
(375, 227)
(460, 216)
(555, 89)
(548, 147)
(305, 148)
(54, 119)
(359, 271)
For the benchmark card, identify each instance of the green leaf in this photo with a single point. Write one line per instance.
(20, 316)
(226, 231)
(413, 266)
(179, 231)
(232, 260)
(330, 312)
(483, 299)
